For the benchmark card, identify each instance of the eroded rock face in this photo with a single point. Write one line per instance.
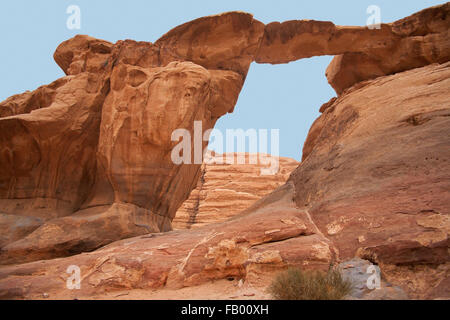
(48, 144)
(362, 274)
(225, 189)
(274, 234)
(375, 174)
(118, 153)
(86, 160)
(374, 184)
(413, 42)
(139, 116)
(101, 137)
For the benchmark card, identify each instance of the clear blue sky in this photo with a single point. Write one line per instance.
(286, 97)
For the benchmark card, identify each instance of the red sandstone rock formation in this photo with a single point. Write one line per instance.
(375, 185)
(87, 157)
(226, 189)
(413, 42)
(96, 145)
(265, 240)
(375, 174)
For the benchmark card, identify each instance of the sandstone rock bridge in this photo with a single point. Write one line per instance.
(86, 159)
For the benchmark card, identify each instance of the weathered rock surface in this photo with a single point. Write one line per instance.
(375, 174)
(225, 189)
(273, 235)
(227, 41)
(85, 161)
(102, 134)
(412, 42)
(48, 144)
(375, 185)
(367, 282)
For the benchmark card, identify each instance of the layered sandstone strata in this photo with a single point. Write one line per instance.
(225, 189)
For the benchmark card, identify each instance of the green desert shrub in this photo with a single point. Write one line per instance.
(298, 284)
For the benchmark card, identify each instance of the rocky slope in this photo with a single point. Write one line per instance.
(375, 175)
(225, 189)
(87, 157)
(92, 150)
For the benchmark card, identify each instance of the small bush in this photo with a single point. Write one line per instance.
(297, 284)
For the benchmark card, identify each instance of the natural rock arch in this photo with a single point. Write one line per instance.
(102, 133)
